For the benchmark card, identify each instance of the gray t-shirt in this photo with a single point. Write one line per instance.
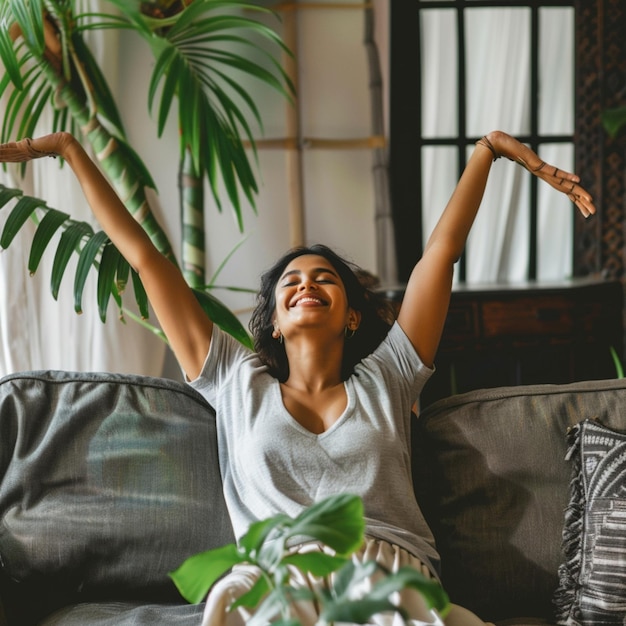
(271, 464)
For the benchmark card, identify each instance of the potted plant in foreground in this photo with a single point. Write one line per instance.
(336, 522)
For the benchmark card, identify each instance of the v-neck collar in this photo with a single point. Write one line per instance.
(349, 390)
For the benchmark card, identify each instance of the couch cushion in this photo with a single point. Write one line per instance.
(107, 483)
(592, 577)
(127, 614)
(491, 477)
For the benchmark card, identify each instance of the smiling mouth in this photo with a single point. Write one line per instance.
(308, 300)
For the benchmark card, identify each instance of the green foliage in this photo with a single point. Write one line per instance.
(94, 251)
(202, 51)
(614, 120)
(196, 65)
(338, 523)
(617, 362)
(199, 58)
(223, 316)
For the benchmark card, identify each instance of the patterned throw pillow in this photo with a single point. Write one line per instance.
(592, 586)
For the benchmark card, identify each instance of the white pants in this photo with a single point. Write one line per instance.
(243, 577)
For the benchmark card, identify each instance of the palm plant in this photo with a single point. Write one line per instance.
(200, 49)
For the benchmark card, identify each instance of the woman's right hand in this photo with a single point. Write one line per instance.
(54, 144)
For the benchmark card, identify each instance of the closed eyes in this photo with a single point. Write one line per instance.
(294, 277)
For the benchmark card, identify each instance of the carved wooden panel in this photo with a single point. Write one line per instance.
(599, 245)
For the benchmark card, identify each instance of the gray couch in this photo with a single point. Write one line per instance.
(107, 482)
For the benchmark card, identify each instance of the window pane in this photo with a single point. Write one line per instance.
(498, 70)
(556, 71)
(439, 73)
(497, 58)
(555, 220)
(439, 167)
(498, 245)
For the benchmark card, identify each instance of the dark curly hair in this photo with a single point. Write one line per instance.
(377, 313)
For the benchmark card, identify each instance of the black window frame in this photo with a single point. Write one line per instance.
(405, 114)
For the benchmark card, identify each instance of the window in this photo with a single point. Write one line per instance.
(462, 68)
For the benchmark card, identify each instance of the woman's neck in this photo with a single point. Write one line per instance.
(314, 367)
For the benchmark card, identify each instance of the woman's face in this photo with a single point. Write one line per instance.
(311, 294)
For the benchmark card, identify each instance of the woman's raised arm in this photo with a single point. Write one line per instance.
(182, 319)
(427, 296)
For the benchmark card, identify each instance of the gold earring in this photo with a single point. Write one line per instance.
(276, 334)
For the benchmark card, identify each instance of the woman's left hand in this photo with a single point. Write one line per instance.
(502, 144)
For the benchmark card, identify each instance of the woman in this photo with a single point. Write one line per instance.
(323, 404)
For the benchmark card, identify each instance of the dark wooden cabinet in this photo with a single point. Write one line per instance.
(500, 335)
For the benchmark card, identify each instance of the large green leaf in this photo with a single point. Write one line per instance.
(251, 598)
(62, 120)
(15, 103)
(7, 194)
(409, 578)
(33, 110)
(225, 145)
(85, 262)
(24, 208)
(274, 603)
(122, 273)
(240, 119)
(336, 522)
(26, 101)
(210, 158)
(107, 107)
(107, 271)
(176, 70)
(196, 575)
(9, 58)
(346, 601)
(69, 243)
(50, 223)
(190, 22)
(29, 16)
(221, 315)
(232, 60)
(140, 295)
(130, 16)
(258, 532)
(192, 13)
(141, 298)
(162, 65)
(350, 576)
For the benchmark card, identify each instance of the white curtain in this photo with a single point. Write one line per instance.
(37, 332)
(498, 75)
